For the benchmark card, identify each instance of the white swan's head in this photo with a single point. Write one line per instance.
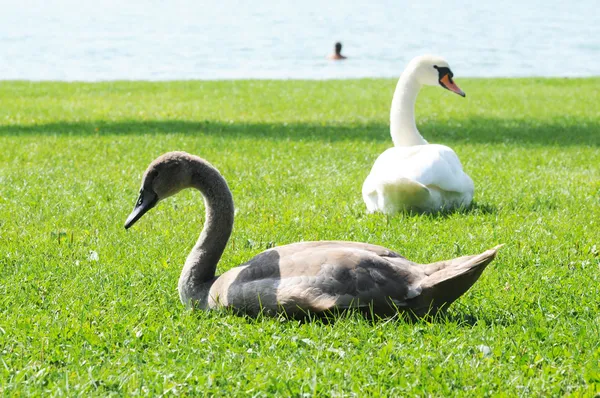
(432, 70)
(167, 175)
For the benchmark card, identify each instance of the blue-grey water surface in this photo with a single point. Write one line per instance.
(185, 39)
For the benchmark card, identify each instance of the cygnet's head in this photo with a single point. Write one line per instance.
(432, 70)
(167, 175)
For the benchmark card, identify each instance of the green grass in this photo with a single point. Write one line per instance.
(295, 154)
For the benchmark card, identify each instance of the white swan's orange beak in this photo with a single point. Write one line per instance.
(449, 84)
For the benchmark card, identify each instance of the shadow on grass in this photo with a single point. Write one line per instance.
(458, 317)
(474, 130)
(475, 208)
(453, 316)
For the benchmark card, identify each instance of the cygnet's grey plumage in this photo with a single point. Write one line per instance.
(302, 277)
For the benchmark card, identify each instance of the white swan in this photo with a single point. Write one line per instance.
(415, 175)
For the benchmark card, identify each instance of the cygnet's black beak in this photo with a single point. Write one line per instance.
(145, 202)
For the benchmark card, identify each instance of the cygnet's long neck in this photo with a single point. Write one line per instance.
(403, 127)
(198, 273)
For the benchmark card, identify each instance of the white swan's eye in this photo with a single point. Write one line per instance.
(435, 66)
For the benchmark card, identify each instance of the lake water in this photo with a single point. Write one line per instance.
(176, 39)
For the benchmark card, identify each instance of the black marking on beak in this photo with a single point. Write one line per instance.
(445, 80)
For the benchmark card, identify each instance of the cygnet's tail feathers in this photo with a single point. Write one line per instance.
(448, 280)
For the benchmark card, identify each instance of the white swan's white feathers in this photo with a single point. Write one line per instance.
(420, 177)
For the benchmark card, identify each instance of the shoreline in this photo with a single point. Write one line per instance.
(290, 79)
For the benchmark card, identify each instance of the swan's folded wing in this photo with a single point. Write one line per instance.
(316, 276)
(347, 278)
(430, 165)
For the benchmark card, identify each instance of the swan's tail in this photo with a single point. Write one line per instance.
(448, 280)
(393, 196)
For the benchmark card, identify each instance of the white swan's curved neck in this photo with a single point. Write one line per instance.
(403, 127)
(198, 273)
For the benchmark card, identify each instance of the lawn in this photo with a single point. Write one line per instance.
(88, 308)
